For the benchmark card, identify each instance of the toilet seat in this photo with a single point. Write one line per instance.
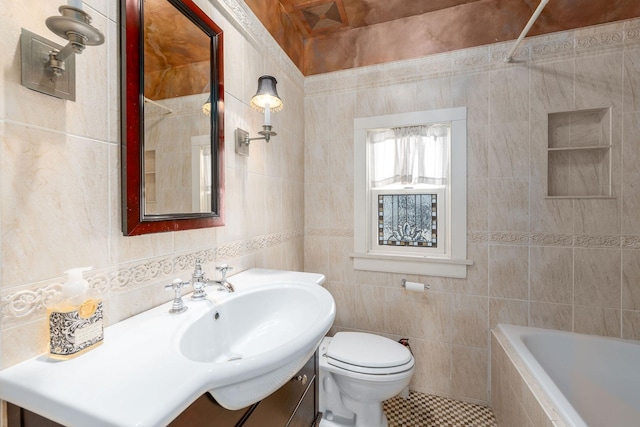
(368, 354)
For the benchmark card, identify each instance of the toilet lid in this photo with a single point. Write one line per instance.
(358, 349)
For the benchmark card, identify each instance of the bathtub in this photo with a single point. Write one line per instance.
(553, 378)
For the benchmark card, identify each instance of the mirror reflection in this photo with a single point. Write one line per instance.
(177, 124)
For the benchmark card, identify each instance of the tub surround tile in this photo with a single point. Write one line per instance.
(631, 325)
(509, 273)
(630, 223)
(513, 312)
(509, 95)
(555, 87)
(517, 398)
(631, 143)
(434, 93)
(588, 216)
(548, 215)
(477, 151)
(597, 277)
(509, 150)
(596, 321)
(551, 316)
(551, 274)
(477, 203)
(509, 204)
(597, 81)
(631, 78)
(539, 148)
(630, 280)
(472, 91)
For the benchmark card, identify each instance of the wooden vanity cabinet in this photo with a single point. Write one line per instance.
(295, 404)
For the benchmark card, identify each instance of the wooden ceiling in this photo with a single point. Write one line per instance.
(328, 35)
(175, 50)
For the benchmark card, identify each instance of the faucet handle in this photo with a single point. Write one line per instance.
(178, 305)
(224, 268)
(197, 272)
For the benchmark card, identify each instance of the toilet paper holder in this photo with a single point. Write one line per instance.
(403, 282)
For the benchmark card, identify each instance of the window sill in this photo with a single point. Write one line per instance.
(420, 265)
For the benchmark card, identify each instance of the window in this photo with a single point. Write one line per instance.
(410, 193)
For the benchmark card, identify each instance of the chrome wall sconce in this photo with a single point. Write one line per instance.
(50, 68)
(266, 100)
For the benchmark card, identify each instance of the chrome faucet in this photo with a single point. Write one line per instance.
(224, 283)
(199, 281)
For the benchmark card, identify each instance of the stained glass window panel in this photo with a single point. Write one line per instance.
(408, 220)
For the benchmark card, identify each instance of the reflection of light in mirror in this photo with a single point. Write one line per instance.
(201, 173)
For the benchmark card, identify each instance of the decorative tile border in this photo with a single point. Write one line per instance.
(565, 240)
(630, 242)
(552, 239)
(509, 238)
(599, 40)
(597, 241)
(553, 49)
(632, 36)
(329, 232)
(29, 304)
(565, 45)
(478, 237)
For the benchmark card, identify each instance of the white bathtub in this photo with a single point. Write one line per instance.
(589, 380)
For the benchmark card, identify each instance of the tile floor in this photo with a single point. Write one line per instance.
(423, 410)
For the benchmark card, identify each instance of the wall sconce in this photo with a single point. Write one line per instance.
(265, 100)
(206, 107)
(46, 66)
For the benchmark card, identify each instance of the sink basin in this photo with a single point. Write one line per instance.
(259, 337)
(239, 347)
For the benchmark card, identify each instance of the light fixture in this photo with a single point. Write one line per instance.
(46, 66)
(206, 107)
(265, 100)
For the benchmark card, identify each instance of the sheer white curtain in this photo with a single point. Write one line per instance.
(409, 155)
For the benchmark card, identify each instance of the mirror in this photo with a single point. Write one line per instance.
(171, 117)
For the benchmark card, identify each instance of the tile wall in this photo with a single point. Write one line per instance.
(570, 264)
(60, 178)
(565, 264)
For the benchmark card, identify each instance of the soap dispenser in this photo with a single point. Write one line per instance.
(75, 319)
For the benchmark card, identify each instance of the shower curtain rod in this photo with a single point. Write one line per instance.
(535, 15)
(151, 101)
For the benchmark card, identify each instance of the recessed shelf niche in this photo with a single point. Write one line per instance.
(579, 154)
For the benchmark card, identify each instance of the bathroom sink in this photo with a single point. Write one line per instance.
(255, 340)
(240, 347)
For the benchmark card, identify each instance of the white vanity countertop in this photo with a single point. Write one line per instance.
(137, 377)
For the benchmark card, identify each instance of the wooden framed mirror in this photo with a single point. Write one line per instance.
(172, 124)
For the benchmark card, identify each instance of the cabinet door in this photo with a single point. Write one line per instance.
(206, 412)
(306, 411)
(277, 409)
(20, 417)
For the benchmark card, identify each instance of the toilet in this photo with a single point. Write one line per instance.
(358, 371)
